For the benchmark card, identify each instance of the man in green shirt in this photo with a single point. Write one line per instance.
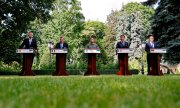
(92, 44)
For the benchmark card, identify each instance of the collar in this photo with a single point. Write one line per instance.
(92, 43)
(151, 42)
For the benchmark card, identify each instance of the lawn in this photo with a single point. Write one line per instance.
(105, 91)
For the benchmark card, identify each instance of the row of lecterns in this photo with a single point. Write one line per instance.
(154, 62)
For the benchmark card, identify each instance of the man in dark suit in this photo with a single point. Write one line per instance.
(61, 58)
(61, 44)
(150, 45)
(122, 58)
(122, 44)
(28, 43)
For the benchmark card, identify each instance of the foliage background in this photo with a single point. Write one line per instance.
(51, 19)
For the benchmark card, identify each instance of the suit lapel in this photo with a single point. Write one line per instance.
(155, 45)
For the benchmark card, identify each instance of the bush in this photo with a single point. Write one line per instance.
(12, 67)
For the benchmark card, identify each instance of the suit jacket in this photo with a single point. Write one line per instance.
(65, 45)
(148, 46)
(27, 45)
(120, 45)
(147, 49)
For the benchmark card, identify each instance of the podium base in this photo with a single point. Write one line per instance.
(60, 73)
(152, 74)
(91, 73)
(120, 73)
(27, 74)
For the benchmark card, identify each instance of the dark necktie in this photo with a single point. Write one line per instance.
(122, 43)
(30, 41)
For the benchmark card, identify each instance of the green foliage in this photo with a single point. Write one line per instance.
(67, 20)
(110, 36)
(11, 67)
(45, 62)
(50, 19)
(138, 64)
(15, 17)
(166, 27)
(133, 20)
(95, 28)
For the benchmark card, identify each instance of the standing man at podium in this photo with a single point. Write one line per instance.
(150, 45)
(122, 58)
(28, 43)
(61, 58)
(92, 44)
(91, 68)
(122, 43)
(61, 44)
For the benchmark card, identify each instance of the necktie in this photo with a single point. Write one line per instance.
(30, 40)
(122, 43)
(61, 46)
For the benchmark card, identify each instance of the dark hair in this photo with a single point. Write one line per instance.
(92, 37)
(151, 35)
(61, 36)
(122, 35)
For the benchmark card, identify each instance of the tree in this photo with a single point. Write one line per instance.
(15, 17)
(110, 38)
(95, 28)
(150, 2)
(67, 20)
(166, 28)
(133, 20)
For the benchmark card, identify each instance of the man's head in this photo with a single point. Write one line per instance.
(151, 38)
(122, 37)
(30, 34)
(61, 39)
(92, 39)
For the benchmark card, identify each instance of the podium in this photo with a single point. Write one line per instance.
(154, 61)
(91, 68)
(60, 61)
(28, 55)
(123, 61)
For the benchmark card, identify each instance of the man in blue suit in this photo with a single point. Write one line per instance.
(150, 45)
(122, 43)
(61, 44)
(61, 58)
(122, 58)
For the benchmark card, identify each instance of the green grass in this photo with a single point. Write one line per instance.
(106, 91)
